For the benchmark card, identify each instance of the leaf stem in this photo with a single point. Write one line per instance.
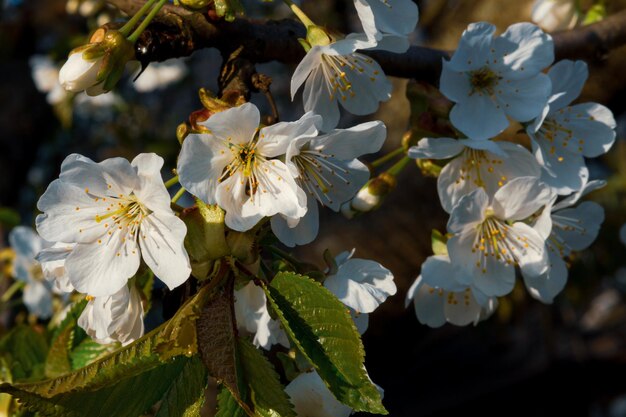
(399, 166)
(281, 253)
(15, 287)
(171, 182)
(128, 26)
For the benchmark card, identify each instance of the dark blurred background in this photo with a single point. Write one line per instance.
(568, 358)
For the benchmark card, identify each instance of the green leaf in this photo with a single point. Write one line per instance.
(9, 217)
(267, 393)
(186, 395)
(70, 320)
(26, 350)
(89, 351)
(227, 405)
(58, 361)
(175, 337)
(321, 327)
(123, 399)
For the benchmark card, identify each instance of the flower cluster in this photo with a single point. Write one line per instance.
(510, 208)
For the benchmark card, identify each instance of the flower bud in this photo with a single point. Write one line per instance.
(370, 196)
(98, 66)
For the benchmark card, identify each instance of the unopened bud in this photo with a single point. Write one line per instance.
(371, 196)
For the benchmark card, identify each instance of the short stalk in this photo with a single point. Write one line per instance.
(386, 158)
(399, 166)
(281, 253)
(171, 182)
(125, 30)
(144, 24)
(299, 13)
(178, 194)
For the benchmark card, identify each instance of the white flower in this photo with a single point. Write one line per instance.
(159, 75)
(565, 229)
(394, 17)
(439, 296)
(491, 78)
(78, 74)
(335, 74)
(252, 315)
(37, 292)
(46, 77)
(326, 168)
(115, 212)
(52, 261)
(489, 238)
(232, 166)
(553, 15)
(117, 317)
(311, 397)
(563, 134)
(476, 164)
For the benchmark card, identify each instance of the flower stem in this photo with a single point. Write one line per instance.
(125, 30)
(178, 194)
(144, 24)
(299, 13)
(281, 253)
(385, 158)
(171, 182)
(399, 166)
(15, 287)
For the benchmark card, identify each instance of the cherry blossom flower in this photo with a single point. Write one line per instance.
(489, 238)
(326, 168)
(114, 318)
(234, 166)
(553, 15)
(115, 212)
(80, 74)
(476, 164)
(564, 134)
(491, 78)
(335, 74)
(46, 77)
(439, 296)
(37, 292)
(394, 17)
(565, 229)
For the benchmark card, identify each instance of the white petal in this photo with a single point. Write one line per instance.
(454, 84)
(468, 212)
(525, 99)
(474, 47)
(528, 248)
(161, 238)
(151, 190)
(361, 284)
(436, 148)
(310, 62)
(311, 397)
(439, 272)
(461, 308)
(568, 79)
(351, 143)
(428, 303)
(38, 299)
(201, 162)
(317, 98)
(479, 117)
(237, 125)
(396, 17)
(592, 126)
(520, 198)
(578, 227)
(548, 285)
(274, 139)
(304, 232)
(534, 48)
(361, 321)
(563, 171)
(231, 195)
(26, 243)
(78, 74)
(102, 269)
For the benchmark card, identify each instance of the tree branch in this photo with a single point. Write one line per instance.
(179, 32)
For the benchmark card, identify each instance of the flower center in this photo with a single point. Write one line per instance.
(339, 69)
(483, 80)
(318, 172)
(124, 212)
(492, 240)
